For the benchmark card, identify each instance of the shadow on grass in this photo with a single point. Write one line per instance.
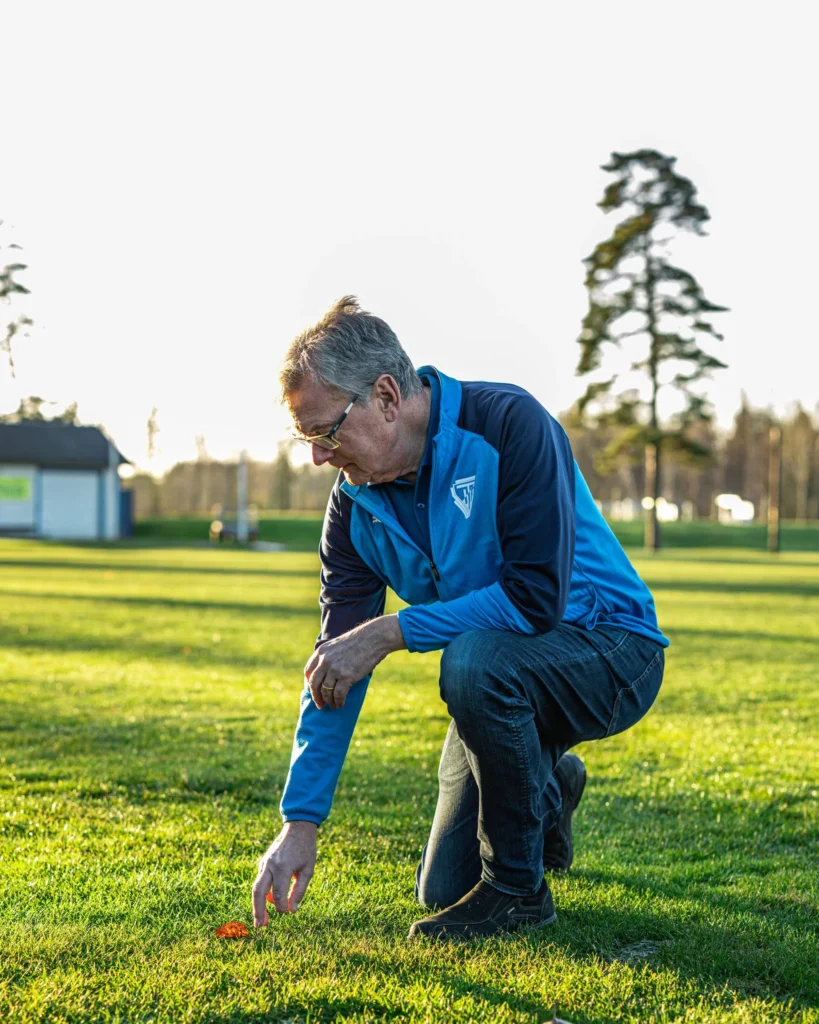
(725, 634)
(764, 947)
(128, 761)
(754, 957)
(215, 570)
(448, 984)
(766, 561)
(738, 587)
(168, 603)
(454, 986)
(129, 648)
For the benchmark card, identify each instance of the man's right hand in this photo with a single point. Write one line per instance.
(292, 855)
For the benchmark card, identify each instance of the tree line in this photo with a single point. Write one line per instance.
(206, 486)
(656, 316)
(737, 463)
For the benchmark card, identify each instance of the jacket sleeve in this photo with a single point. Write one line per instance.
(350, 594)
(536, 526)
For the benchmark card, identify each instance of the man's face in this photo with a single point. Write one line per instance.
(366, 438)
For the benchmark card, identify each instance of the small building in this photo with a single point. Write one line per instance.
(62, 482)
(733, 508)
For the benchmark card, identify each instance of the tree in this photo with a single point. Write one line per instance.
(202, 454)
(69, 415)
(9, 289)
(747, 456)
(30, 410)
(629, 275)
(282, 478)
(799, 442)
(153, 430)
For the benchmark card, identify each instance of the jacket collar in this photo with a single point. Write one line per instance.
(449, 410)
(450, 407)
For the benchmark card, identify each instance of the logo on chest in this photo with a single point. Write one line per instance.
(463, 494)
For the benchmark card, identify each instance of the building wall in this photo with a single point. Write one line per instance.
(109, 483)
(18, 497)
(70, 504)
(63, 504)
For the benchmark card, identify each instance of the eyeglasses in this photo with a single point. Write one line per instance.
(326, 441)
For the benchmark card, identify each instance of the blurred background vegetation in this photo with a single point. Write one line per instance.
(738, 463)
(641, 466)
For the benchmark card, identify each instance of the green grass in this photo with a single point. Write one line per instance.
(301, 532)
(148, 703)
(704, 533)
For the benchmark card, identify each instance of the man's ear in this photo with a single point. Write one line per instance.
(388, 397)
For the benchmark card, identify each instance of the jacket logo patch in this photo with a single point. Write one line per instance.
(463, 494)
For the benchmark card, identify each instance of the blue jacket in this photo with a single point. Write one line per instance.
(517, 544)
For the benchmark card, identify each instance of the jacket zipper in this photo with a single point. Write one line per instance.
(435, 574)
(397, 529)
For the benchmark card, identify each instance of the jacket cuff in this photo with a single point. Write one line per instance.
(407, 630)
(302, 816)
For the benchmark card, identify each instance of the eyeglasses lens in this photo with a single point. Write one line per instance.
(320, 442)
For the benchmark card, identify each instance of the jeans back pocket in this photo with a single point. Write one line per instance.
(635, 700)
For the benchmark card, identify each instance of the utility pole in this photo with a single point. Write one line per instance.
(774, 486)
(241, 500)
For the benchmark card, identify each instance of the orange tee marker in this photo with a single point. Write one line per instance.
(232, 930)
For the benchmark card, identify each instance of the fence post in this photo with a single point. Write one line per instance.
(241, 500)
(774, 486)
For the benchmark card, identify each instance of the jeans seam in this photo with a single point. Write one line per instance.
(527, 774)
(594, 654)
(629, 689)
(521, 749)
(617, 646)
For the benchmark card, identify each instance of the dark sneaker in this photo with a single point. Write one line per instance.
(487, 911)
(558, 848)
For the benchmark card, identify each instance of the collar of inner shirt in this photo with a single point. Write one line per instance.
(426, 458)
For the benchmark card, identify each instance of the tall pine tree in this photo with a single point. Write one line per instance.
(9, 290)
(629, 274)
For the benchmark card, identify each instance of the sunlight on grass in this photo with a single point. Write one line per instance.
(149, 697)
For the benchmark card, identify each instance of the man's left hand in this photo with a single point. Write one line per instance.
(337, 664)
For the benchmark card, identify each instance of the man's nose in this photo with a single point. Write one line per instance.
(321, 455)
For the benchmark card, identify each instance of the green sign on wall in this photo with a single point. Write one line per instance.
(15, 488)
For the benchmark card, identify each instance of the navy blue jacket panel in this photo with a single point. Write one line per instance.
(535, 500)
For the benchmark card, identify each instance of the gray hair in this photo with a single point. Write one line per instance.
(348, 349)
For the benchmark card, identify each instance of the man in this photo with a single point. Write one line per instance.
(464, 498)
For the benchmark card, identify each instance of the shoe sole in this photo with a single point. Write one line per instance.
(524, 925)
(535, 926)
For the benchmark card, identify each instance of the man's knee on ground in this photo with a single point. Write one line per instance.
(424, 897)
(435, 895)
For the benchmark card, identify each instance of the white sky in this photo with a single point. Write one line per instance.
(193, 184)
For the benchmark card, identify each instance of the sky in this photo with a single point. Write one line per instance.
(193, 184)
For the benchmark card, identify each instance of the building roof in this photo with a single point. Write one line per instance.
(55, 445)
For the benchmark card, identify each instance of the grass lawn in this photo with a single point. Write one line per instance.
(148, 703)
(300, 531)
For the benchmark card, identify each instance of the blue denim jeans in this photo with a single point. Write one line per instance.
(518, 703)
